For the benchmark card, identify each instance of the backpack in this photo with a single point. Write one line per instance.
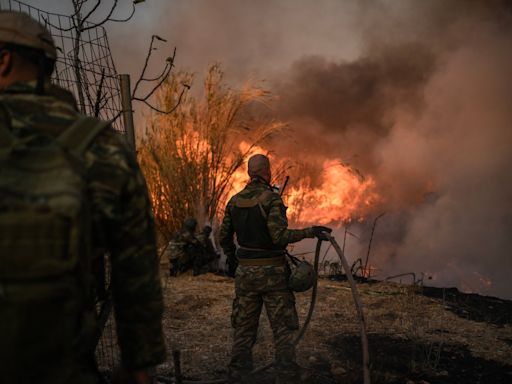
(250, 221)
(46, 288)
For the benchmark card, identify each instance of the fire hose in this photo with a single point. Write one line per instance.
(302, 331)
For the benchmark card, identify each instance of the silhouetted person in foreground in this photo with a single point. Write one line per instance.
(70, 191)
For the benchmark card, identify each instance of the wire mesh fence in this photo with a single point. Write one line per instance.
(84, 64)
(90, 74)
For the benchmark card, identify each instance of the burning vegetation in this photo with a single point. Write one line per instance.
(415, 125)
(190, 158)
(195, 159)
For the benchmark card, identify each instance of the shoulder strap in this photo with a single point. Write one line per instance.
(6, 137)
(242, 202)
(263, 197)
(81, 134)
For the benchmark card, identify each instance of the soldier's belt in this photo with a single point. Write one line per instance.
(267, 261)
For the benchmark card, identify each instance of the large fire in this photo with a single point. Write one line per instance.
(342, 194)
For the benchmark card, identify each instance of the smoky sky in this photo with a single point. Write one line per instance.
(416, 94)
(429, 117)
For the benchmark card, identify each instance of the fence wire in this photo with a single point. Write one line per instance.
(92, 76)
(95, 77)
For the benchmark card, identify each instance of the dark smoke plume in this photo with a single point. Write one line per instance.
(429, 116)
(415, 93)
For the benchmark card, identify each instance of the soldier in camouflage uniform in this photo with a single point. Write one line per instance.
(186, 249)
(257, 216)
(204, 263)
(122, 225)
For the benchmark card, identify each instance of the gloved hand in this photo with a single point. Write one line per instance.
(232, 266)
(319, 232)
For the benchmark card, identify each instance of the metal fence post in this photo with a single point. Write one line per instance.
(126, 104)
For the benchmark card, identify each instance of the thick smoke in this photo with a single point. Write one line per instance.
(416, 94)
(348, 108)
(430, 118)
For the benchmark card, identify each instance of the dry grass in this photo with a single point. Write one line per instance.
(197, 322)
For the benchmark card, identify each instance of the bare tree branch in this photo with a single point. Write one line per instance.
(160, 79)
(105, 20)
(167, 112)
(89, 14)
(127, 18)
(146, 61)
(157, 85)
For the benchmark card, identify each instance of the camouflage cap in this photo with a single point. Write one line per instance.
(21, 29)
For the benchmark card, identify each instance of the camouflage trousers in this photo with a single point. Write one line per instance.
(256, 286)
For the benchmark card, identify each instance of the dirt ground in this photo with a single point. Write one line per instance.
(416, 335)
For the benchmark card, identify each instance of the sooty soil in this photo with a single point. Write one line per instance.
(396, 360)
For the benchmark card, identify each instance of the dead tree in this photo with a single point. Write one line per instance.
(86, 17)
(81, 21)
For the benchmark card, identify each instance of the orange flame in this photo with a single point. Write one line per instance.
(342, 196)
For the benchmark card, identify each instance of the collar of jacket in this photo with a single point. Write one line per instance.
(257, 183)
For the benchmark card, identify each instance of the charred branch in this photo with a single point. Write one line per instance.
(370, 244)
(157, 80)
(81, 23)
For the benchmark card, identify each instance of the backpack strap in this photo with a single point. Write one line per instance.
(80, 135)
(241, 202)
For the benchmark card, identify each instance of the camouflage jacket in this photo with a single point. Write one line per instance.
(123, 223)
(277, 222)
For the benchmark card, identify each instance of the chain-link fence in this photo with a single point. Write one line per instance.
(84, 65)
(86, 68)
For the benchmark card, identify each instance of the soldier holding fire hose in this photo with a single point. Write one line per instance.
(257, 216)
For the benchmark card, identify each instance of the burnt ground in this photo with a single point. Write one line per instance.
(400, 360)
(471, 306)
(427, 335)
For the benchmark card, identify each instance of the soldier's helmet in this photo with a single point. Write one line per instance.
(18, 28)
(190, 224)
(302, 277)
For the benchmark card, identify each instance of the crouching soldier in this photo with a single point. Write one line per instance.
(186, 250)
